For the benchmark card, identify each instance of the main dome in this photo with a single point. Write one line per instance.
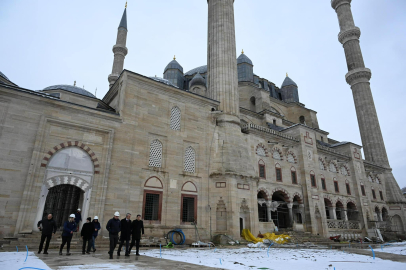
(70, 88)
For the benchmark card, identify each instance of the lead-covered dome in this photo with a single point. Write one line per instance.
(244, 59)
(174, 65)
(288, 81)
(198, 80)
(70, 88)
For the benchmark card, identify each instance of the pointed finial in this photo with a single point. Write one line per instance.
(287, 74)
(74, 84)
(242, 51)
(125, 4)
(174, 57)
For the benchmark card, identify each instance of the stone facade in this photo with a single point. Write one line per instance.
(231, 156)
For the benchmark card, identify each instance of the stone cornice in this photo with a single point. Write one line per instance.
(336, 3)
(333, 152)
(347, 35)
(358, 75)
(252, 128)
(120, 49)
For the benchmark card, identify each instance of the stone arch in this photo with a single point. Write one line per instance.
(378, 179)
(339, 200)
(265, 191)
(189, 186)
(335, 166)
(326, 197)
(67, 180)
(297, 195)
(279, 151)
(67, 144)
(346, 168)
(293, 154)
(153, 182)
(261, 150)
(286, 195)
(322, 164)
(351, 201)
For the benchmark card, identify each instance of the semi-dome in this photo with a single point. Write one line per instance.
(243, 59)
(162, 80)
(197, 80)
(174, 65)
(70, 88)
(201, 70)
(288, 81)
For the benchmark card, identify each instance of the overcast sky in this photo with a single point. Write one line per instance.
(46, 42)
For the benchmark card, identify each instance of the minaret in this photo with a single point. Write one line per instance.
(119, 50)
(358, 77)
(221, 57)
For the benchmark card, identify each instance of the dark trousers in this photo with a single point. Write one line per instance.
(137, 244)
(43, 237)
(66, 240)
(113, 242)
(89, 244)
(127, 245)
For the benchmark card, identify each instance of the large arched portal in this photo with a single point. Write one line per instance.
(280, 217)
(67, 185)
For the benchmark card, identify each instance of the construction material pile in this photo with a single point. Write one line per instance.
(278, 239)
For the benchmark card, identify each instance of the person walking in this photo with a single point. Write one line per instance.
(68, 228)
(87, 234)
(137, 227)
(113, 227)
(78, 218)
(48, 228)
(125, 234)
(97, 228)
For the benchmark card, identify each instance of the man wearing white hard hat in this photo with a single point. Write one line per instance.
(97, 228)
(113, 227)
(78, 218)
(68, 228)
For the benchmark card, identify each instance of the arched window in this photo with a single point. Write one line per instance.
(294, 175)
(278, 172)
(252, 99)
(276, 155)
(347, 187)
(370, 179)
(155, 154)
(175, 118)
(261, 151)
(291, 158)
(373, 194)
(302, 120)
(321, 165)
(190, 160)
(344, 171)
(363, 189)
(377, 180)
(261, 167)
(332, 167)
(313, 179)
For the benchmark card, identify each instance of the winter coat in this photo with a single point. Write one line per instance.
(78, 217)
(96, 226)
(125, 229)
(113, 226)
(87, 231)
(137, 228)
(48, 226)
(69, 227)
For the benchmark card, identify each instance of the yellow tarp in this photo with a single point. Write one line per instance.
(279, 239)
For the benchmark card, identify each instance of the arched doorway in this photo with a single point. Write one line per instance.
(385, 214)
(397, 224)
(339, 210)
(352, 212)
(280, 217)
(328, 208)
(262, 208)
(67, 185)
(62, 201)
(378, 216)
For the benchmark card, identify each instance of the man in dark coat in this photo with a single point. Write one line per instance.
(87, 234)
(125, 234)
(68, 228)
(113, 227)
(137, 228)
(48, 228)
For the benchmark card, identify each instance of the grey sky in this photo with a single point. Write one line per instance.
(57, 42)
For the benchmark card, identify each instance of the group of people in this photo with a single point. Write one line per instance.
(90, 231)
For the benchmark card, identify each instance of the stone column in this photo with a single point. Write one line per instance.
(334, 216)
(290, 207)
(222, 58)
(345, 214)
(358, 77)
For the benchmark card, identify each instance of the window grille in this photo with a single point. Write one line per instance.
(278, 174)
(336, 187)
(262, 213)
(363, 190)
(321, 165)
(313, 180)
(151, 206)
(323, 184)
(190, 160)
(344, 171)
(261, 151)
(291, 159)
(276, 155)
(381, 195)
(294, 177)
(332, 168)
(155, 154)
(175, 118)
(373, 194)
(261, 171)
(188, 214)
(370, 179)
(347, 186)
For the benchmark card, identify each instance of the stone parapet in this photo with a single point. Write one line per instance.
(350, 34)
(120, 49)
(358, 75)
(336, 3)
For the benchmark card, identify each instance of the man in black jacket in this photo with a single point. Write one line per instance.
(48, 227)
(137, 227)
(113, 227)
(125, 234)
(87, 233)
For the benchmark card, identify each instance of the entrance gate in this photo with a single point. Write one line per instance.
(62, 201)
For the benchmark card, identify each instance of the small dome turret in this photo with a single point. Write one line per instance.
(288, 81)
(174, 65)
(197, 80)
(245, 68)
(70, 88)
(243, 58)
(289, 90)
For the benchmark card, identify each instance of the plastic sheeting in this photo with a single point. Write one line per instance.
(279, 239)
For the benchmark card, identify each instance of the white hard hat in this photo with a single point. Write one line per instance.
(96, 217)
(78, 209)
(72, 215)
(116, 214)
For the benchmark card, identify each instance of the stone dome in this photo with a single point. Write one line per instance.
(70, 88)
(198, 80)
(244, 59)
(288, 81)
(201, 70)
(174, 65)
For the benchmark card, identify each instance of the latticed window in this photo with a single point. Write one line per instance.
(373, 194)
(261, 151)
(344, 171)
(190, 160)
(188, 209)
(336, 187)
(323, 184)
(332, 167)
(313, 180)
(347, 186)
(321, 165)
(276, 155)
(370, 179)
(294, 177)
(291, 159)
(175, 118)
(151, 206)
(278, 172)
(155, 154)
(381, 195)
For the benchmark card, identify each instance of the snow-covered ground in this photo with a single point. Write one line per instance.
(279, 258)
(98, 267)
(394, 248)
(15, 261)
